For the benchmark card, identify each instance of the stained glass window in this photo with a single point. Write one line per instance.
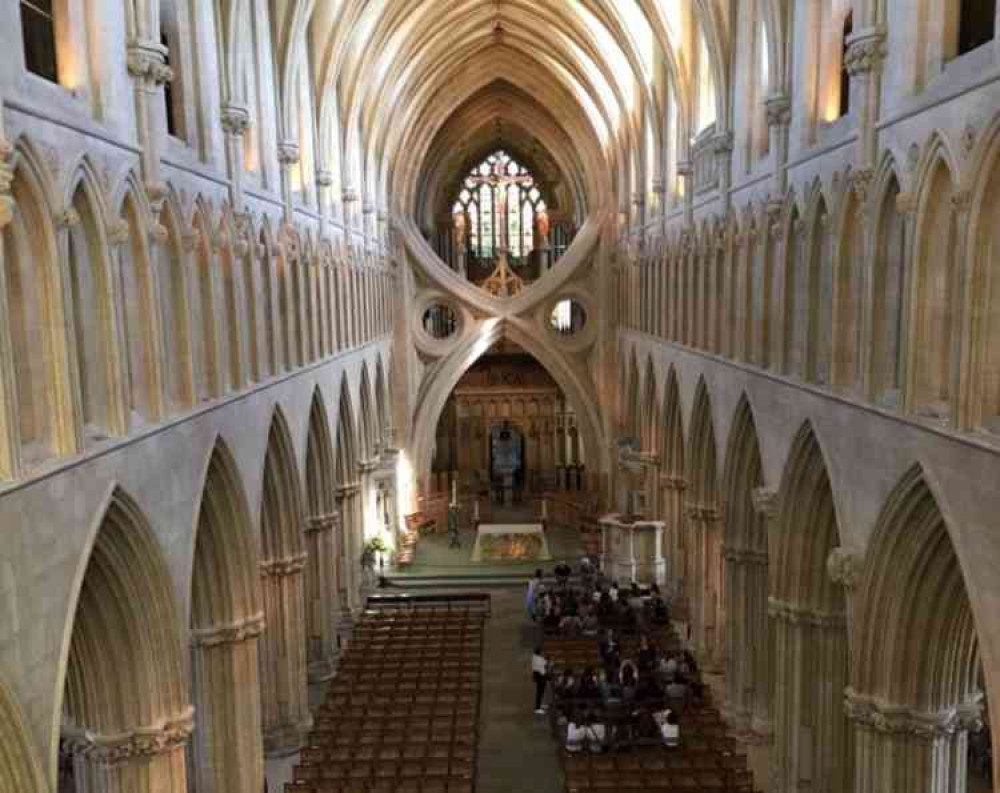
(501, 202)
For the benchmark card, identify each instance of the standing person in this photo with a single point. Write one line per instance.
(540, 673)
(533, 588)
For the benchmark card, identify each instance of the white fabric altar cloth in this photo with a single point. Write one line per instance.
(511, 539)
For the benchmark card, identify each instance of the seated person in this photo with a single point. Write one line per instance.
(565, 685)
(670, 729)
(613, 592)
(575, 733)
(648, 689)
(588, 688)
(570, 625)
(609, 648)
(646, 726)
(669, 667)
(553, 619)
(629, 679)
(591, 624)
(606, 606)
(678, 690)
(563, 572)
(646, 657)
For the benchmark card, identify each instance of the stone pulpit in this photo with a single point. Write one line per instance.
(632, 549)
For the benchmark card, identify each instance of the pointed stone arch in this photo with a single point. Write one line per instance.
(631, 421)
(651, 419)
(808, 613)
(381, 398)
(283, 649)
(893, 227)
(366, 417)
(914, 692)
(125, 708)
(180, 388)
(226, 622)
(322, 522)
(83, 244)
(703, 527)
(39, 392)
(745, 526)
(136, 296)
(674, 483)
(207, 370)
(20, 766)
(349, 504)
(933, 307)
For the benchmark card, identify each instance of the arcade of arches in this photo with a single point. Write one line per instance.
(278, 275)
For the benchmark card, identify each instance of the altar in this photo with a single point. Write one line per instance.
(500, 542)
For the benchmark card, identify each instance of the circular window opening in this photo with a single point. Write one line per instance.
(440, 321)
(568, 318)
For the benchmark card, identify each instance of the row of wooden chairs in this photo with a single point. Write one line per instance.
(446, 785)
(438, 750)
(683, 782)
(673, 759)
(401, 716)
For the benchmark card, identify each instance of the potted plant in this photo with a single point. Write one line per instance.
(374, 550)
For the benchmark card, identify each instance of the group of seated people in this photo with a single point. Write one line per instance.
(621, 701)
(626, 701)
(580, 608)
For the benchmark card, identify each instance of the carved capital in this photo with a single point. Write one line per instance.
(322, 523)
(878, 715)
(282, 568)
(67, 219)
(800, 615)
(158, 232)
(324, 178)
(348, 490)
(700, 513)
(670, 482)
(765, 502)
(288, 153)
(234, 633)
(350, 195)
(861, 181)
(779, 110)
(139, 744)
(147, 61)
(865, 52)
(961, 202)
(235, 120)
(659, 187)
(118, 233)
(744, 556)
(7, 207)
(845, 567)
(906, 203)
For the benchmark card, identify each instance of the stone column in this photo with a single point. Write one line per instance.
(288, 158)
(779, 119)
(351, 199)
(747, 707)
(235, 123)
(147, 63)
(672, 515)
(148, 759)
(348, 507)
(228, 746)
(321, 596)
(10, 435)
(900, 748)
(324, 183)
(703, 524)
(811, 751)
(286, 717)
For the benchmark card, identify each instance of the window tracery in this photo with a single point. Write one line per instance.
(500, 203)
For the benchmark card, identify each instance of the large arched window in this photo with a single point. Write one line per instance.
(500, 194)
(38, 30)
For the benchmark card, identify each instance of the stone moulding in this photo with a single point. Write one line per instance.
(845, 567)
(136, 744)
(800, 615)
(321, 523)
(876, 714)
(234, 633)
(280, 568)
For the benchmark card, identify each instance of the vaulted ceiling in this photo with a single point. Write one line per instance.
(411, 90)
